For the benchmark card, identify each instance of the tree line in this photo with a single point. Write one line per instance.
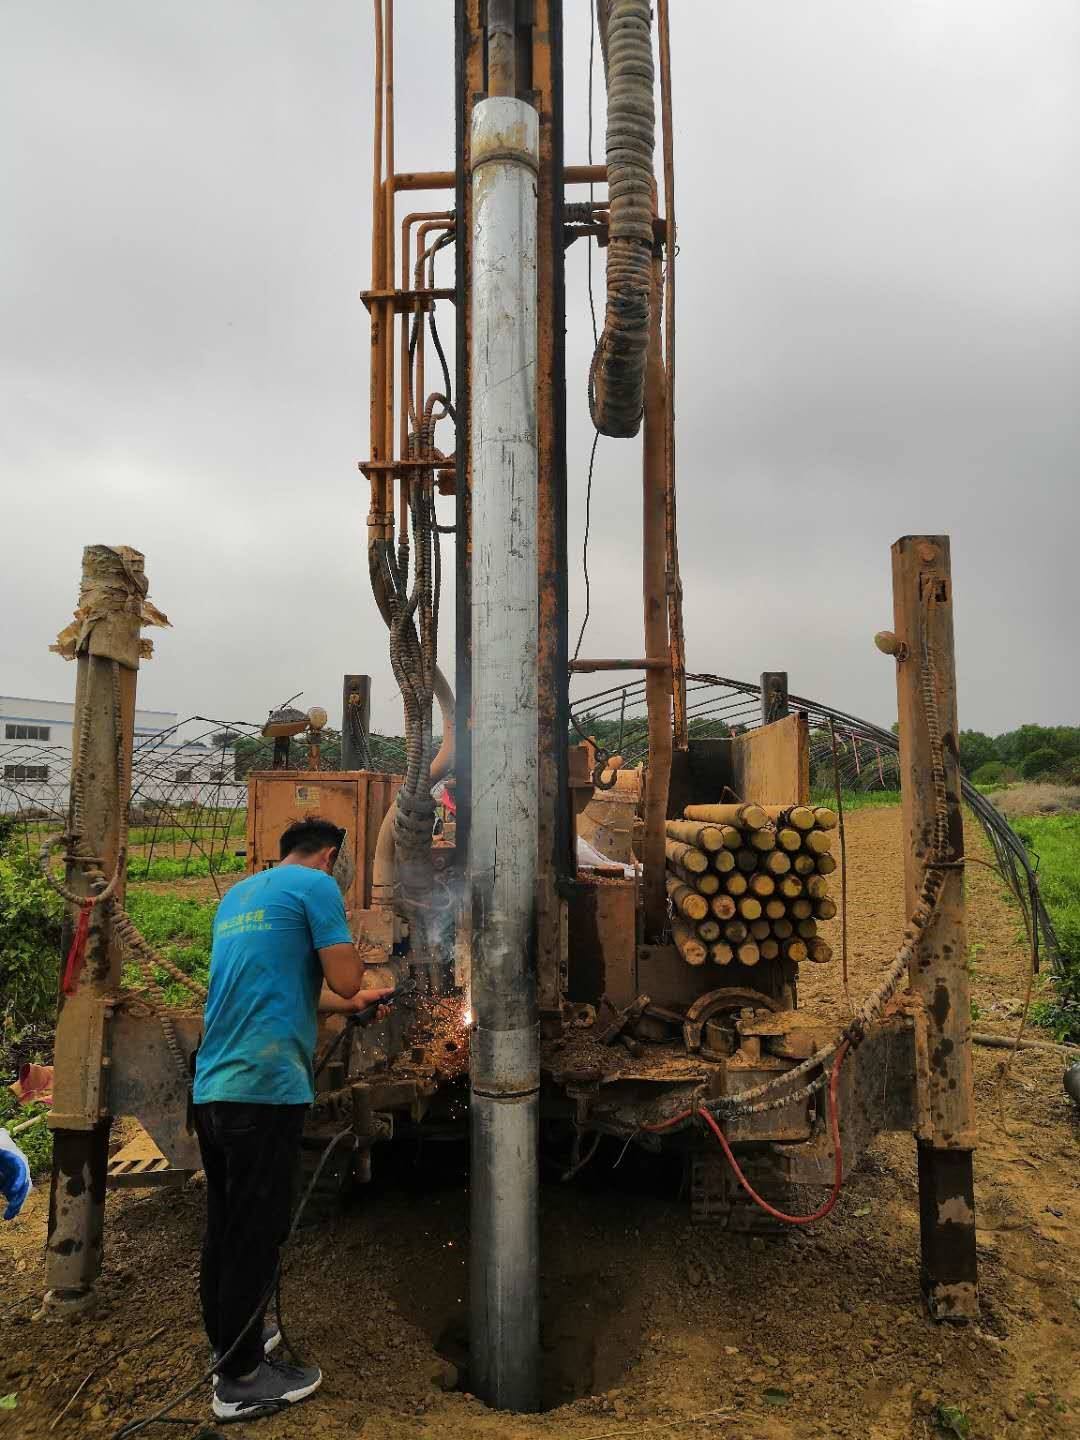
(1031, 752)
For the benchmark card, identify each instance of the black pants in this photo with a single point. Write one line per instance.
(249, 1154)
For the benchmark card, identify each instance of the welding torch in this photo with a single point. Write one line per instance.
(364, 1016)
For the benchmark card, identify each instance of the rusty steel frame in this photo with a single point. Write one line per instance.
(673, 578)
(542, 73)
(658, 677)
(940, 985)
(82, 1111)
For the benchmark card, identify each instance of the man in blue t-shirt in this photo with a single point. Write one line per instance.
(282, 951)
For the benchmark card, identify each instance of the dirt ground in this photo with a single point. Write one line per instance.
(677, 1330)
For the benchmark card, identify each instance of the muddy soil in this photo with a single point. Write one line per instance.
(677, 1330)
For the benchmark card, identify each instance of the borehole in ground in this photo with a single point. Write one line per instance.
(592, 1312)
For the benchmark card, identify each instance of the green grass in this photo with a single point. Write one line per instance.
(856, 799)
(1055, 841)
(195, 866)
(181, 929)
(181, 835)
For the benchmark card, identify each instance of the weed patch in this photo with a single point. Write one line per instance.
(181, 929)
(1054, 841)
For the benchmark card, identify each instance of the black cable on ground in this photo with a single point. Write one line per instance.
(163, 1416)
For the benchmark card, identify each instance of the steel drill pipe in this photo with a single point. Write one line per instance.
(799, 817)
(777, 862)
(692, 950)
(503, 852)
(743, 817)
(687, 902)
(705, 884)
(687, 856)
(709, 838)
(501, 47)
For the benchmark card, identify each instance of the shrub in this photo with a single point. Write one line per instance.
(31, 915)
(1055, 841)
(36, 1142)
(992, 773)
(1040, 762)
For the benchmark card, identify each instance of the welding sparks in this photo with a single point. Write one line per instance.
(466, 1018)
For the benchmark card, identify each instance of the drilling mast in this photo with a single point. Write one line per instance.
(511, 222)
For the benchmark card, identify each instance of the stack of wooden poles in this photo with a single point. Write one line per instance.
(749, 882)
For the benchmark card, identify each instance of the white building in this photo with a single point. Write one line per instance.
(35, 758)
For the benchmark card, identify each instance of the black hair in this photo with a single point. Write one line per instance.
(310, 835)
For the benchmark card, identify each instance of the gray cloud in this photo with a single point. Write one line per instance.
(878, 296)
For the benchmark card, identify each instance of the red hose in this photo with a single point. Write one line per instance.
(838, 1159)
(77, 953)
(667, 1124)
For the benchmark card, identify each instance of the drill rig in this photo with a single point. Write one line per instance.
(530, 940)
(580, 1004)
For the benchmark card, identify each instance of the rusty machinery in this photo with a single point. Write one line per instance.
(501, 925)
(535, 938)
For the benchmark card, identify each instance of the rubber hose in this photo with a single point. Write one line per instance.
(617, 374)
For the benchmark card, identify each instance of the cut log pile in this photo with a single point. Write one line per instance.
(749, 882)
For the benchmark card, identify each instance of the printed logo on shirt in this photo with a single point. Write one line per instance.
(249, 922)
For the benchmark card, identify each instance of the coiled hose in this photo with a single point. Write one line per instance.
(617, 373)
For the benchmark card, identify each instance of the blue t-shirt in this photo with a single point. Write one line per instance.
(265, 977)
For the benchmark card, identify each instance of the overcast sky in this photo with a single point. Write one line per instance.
(878, 296)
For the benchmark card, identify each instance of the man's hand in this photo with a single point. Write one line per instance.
(331, 1004)
(363, 998)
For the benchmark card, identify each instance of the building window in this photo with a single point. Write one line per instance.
(26, 732)
(219, 774)
(183, 777)
(26, 772)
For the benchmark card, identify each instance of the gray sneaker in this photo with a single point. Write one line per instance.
(271, 1340)
(272, 1388)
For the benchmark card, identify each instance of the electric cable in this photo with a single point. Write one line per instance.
(585, 545)
(590, 241)
(163, 1416)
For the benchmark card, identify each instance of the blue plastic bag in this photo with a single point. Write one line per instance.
(14, 1175)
